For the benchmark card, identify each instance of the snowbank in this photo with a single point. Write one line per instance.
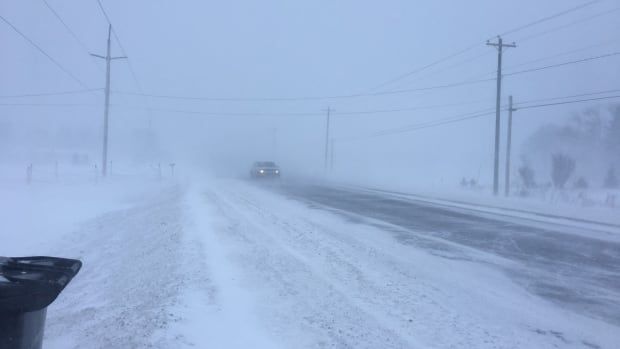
(587, 205)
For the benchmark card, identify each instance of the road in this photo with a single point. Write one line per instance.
(560, 264)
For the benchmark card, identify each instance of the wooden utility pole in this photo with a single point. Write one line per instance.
(327, 121)
(500, 48)
(331, 155)
(106, 109)
(508, 145)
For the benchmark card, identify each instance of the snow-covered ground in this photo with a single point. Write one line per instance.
(228, 264)
(595, 205)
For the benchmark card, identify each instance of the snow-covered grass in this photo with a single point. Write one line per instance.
(596, 205)
(227, 264)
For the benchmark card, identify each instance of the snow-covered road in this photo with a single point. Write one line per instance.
(319, 280)
(230, 264)
(564, 261)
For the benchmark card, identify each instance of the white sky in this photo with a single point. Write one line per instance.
(272, 48)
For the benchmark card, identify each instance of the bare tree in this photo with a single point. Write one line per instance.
(611, 179)
(527, 176)
(562, 167)
(581, 183)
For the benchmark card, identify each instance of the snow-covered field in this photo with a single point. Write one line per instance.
(598, 205)
(228, 264)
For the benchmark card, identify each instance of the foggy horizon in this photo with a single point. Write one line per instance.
(242, 51)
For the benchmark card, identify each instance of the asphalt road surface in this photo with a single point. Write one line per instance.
(568, 266)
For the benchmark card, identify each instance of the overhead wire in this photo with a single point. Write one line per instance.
(474, 45)
(49, 105)
(420, 69)
(128, 59)
(564, 64)
(565, 97)
(550, 17)
(120, 45)
(422, 125)
(305, 98)
(464, 117)
(43, 52)
(564, 53)
(71, 32)
(567, 25)
(46, 94)
(462, 83)
(357, 95)
(569, 102)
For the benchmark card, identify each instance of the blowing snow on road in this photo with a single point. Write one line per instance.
(233, 264)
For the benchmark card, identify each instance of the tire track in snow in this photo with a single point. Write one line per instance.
(307, 310)
(383, 281)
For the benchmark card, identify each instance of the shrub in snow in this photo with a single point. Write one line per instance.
(562, 167)
(527, 176)
(611, 179)
(473, 183)
(581, 183)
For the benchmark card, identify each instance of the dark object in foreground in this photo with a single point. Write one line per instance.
(27, 286)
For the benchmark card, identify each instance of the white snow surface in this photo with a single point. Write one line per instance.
(228, 264)
(586, 205)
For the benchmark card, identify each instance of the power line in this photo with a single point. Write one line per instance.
(565, 97)
(548, 18)
(420, 69)
(212, 113)
(73, 77)
(419, 126)
(333, 112)
(48, 105)
(216, 113)
(456, 64)
(563, 64)
(71, 32)
(129, 64)
(569, 102)
(45, 94)
(475, 45)
(75, 37)
(520, 105)
(305, 98)
(291, 113)
(120, 45)
(464, 117)
(382, 111)
(570, 24)
(564, 53)
(606, 43)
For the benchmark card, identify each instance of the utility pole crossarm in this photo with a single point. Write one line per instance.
(500, 43)
(511, 109)
(513, 45)
(103, 57)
